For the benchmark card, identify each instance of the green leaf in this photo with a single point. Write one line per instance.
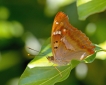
(42, 72)
(91, 58)
(88, 7)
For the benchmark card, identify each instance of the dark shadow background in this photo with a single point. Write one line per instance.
(28, 23)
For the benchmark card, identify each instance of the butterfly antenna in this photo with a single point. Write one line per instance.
(33, 49)
(30, 54)
(54, 66)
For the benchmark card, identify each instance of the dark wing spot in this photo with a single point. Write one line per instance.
(82, 46)
(56, 41)
(55, 47)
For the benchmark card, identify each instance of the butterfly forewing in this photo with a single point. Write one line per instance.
(68, 42)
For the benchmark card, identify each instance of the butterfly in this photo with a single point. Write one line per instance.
(68, 43)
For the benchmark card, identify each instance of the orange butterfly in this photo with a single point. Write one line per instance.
(68, 42)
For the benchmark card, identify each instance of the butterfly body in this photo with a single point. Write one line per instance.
(68, 42)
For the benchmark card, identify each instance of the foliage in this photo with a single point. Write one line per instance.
(28, 23)
(88, 7)
(42, 72)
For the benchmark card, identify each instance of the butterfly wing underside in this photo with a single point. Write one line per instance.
(68, 42)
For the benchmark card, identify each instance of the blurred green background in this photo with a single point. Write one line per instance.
(28, 23)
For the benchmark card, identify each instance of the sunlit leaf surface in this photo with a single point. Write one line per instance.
(88, 7)
(42, 72)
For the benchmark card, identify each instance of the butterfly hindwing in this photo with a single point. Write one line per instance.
(68, 42)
